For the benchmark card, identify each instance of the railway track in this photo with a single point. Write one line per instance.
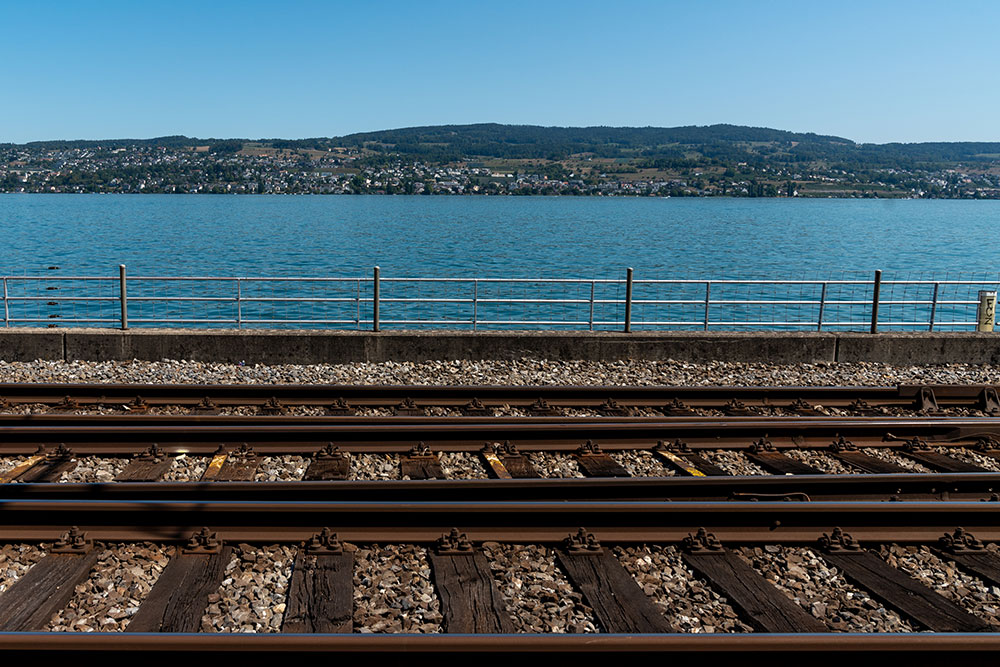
(803, 488)
(113, 434)
(897, 559)
(486, 400)
(150, 448)
(731, 549)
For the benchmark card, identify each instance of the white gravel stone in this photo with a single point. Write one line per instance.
(286, 468)
(26, 408)
(821, 461)
(539, 596)
(689, 604)
(440, 411)
(373, 412)
(733, 462)
(558, 464)
(16, 560)
(111, 595)
(305, 411)
(894, 456)
(641, 463)
(252, 595)
(374, 466)
(462, 465)
(523, 371)
(95, 469)
(187, 468)
(393, 590)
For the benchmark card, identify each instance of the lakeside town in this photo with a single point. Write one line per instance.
(260, 168)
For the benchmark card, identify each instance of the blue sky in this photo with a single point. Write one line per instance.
(869, 71)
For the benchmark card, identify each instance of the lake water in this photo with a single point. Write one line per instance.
(493, 236)
(488, 237)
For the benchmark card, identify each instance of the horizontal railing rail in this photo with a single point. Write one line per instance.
(593, 304)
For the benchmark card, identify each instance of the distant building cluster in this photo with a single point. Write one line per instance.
(262, 169)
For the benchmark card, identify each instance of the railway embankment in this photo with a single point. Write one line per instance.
(312, 347)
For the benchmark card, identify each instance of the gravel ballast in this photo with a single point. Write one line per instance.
(688, 603)
(538, 594)
(971, 456)
(893, 456)
(506, 372)
(945, 577)
(554, 464)
(821, 461)
(393, 590)
(373, 466)
(735, 463)
(287, 468)
(111, 595)
(8, 463)
(16, 559)
(95, 469)
(252, 595)
(821, 590)
(186, 468)
(462, 465)
(641, 463)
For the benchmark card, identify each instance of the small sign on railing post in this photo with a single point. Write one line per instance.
(986, 314)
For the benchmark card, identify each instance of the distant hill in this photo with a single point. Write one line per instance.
(530, 141)
(711, 144)
(723, 143)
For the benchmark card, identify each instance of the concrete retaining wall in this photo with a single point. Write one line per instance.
(308, 347)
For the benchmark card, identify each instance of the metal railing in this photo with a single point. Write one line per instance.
(593, 304)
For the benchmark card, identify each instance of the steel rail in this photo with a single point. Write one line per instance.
(124, 434)
(459, 395)
(807, 488)
(590, 649)
(612, 522)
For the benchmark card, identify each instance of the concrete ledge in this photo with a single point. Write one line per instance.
(31, 344)
(310, 347)
(902, 349)
(302, 347)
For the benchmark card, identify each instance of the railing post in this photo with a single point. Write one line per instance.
(822, 305)
(934, 306)
(6, 306)
(876, 288)
(375, 291)
(628, 300)
(123, 297)
(239, 304)
(357, 305)
(708, 298)
(475, 302)
(593, 284)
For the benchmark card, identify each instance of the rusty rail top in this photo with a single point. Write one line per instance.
(126, 435)
(138, 397)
